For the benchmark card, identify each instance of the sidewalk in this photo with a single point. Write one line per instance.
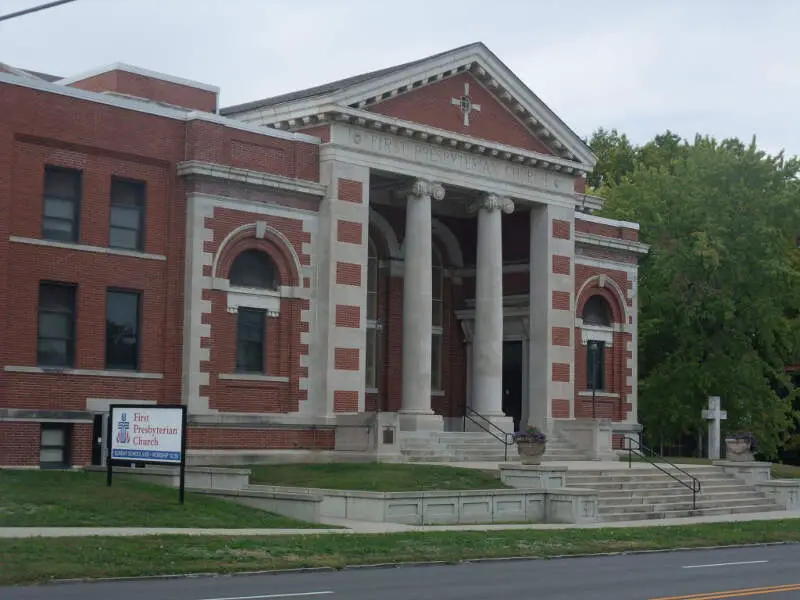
(362, 527)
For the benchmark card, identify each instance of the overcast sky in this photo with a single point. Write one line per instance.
(721, 67)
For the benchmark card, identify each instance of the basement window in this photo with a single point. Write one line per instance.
(54, 446)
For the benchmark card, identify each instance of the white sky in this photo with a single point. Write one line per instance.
(720, 67)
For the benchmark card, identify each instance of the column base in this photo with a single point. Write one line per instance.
(502, 421)
(413, 421)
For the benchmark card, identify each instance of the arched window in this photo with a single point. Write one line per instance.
(597, 312)
(253, 269)
(371, 360)
(437, 308)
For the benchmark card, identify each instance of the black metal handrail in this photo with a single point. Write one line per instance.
(505, 438)
(640, 451)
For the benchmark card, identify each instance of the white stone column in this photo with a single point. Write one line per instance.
(416, 413)
(487, 347)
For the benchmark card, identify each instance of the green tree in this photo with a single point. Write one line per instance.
(616, 158)
(720, 288)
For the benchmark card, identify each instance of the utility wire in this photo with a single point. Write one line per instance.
(34, 9)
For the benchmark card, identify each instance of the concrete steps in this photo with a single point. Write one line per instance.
(475, 446)
(639, 494)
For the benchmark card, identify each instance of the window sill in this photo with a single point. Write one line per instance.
(85, 248)
(598, 394)
(438, 393)
(370, 390)
(252, 377)
(84, 372)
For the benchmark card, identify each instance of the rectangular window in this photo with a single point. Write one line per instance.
(54, 445)
(436, 361)
(56, 331)
(122, 329)
(126, 230)
(371, 359)
(62, 201)
(250, 330)
(596, 365)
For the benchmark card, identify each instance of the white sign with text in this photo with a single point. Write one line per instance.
(147, 434)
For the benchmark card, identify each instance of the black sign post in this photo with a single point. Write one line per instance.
(146, 457)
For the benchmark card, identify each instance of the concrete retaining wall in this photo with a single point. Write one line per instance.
(206, 478)
(304, 507)
(455, 507)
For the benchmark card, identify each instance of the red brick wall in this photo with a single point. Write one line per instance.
(133, 84)
(616, 407)
(621, 233)
(323, 132)
(81, 444)
(259, 439)
(431, 105)
(283, 347)
(38, 128)
(211, 142)
(19, 444)
(349, 232)
(101, 141)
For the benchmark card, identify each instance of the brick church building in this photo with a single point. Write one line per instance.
(332, 272)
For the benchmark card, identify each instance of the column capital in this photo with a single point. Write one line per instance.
(422, 188)
(492, 202)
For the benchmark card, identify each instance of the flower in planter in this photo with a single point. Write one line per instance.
(530, 434)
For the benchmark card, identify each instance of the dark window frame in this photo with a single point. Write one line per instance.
(600, 378)
(76, 201)
(71, 312)
(237, 272)
(141, 206)
(66, 448)
(257, 336)
(119, 366)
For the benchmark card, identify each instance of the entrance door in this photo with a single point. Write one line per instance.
(512, 381)
(97, 439)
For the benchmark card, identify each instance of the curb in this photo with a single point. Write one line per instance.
(407, 565)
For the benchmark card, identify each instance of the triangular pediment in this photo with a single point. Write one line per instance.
(428, 92)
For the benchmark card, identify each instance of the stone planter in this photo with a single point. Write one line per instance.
(530, 453)
(738, 450)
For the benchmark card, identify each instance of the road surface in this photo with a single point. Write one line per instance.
(700, 575)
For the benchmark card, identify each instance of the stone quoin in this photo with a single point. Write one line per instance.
(325, 272)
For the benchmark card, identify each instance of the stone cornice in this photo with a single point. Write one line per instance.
(255, 178)
(432, 135)
(475, 59)
(631, 246)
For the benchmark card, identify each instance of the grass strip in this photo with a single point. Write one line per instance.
(40, 560)
(375, 477)
(79, 499)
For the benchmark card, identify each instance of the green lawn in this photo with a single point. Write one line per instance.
(778, 471)
(375, 477)
(78, 499)
(40, 560)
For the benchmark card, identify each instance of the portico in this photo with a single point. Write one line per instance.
(423, 182)
(454, 238)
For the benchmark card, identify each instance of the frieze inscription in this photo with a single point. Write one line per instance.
(429, 154)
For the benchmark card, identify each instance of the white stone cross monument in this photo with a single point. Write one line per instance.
(714, 416)
(465, 104)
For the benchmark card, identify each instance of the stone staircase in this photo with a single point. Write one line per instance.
(475, 446)
(647, 493)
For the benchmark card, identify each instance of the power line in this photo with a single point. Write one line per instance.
(34, 9)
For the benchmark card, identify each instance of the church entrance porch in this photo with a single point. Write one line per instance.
(512, 381)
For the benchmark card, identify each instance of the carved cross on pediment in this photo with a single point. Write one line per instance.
(466, 105)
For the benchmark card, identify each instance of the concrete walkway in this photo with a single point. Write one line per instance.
(351, 527)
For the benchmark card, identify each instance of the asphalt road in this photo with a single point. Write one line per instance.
(699, 575)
